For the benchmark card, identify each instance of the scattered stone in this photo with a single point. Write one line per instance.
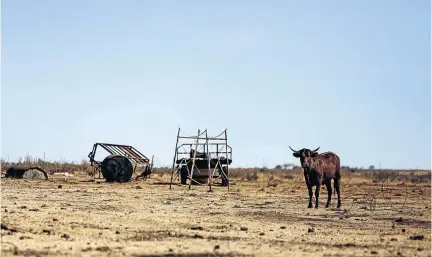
(282, 227)
(171, 233)
(60, 186)
(138, 187)
(393, 239)
(261, 234)
(217, 247)
(102, 248)
(243, 228)
(417, 237)
(198, 236)
(403, 230)
(34, 209)
(311, 230)
(23, 207)
(117, 232)
(420, 249)
(374, 252)
(170, 250)
(24, 237)
(197, 228)
(54, 219)
(65, 236)
(399, 219)
(393, 225)
(349, 245)
(49, 232)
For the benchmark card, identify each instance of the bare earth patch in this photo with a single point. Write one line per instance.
(254, 218)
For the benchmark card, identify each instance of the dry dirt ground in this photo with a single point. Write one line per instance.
(70, 217)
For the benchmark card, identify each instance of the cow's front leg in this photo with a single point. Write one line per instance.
(317, 191)
(309, 187)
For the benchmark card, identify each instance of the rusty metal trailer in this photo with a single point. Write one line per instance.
(201, 159)
(121, 164)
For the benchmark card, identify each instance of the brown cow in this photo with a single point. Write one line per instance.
(320, 169)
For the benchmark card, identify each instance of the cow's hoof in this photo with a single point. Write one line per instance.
(316, 206)
(327, 205)
(310, 206)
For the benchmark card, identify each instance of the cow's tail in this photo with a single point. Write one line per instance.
(337, 175)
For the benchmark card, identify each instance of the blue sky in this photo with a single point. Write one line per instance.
(350, 76)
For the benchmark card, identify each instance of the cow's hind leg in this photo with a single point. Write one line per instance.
(329, 192)
(337, 187)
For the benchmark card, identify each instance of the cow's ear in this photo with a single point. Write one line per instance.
(296, 155)
(314, 154)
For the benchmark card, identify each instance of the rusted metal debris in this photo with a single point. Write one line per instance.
(117, 168)
(19, 171)
(201, 159)
(121, 164)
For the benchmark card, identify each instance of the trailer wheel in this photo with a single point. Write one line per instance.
(225, 180)
(183, 174)
(117, 168)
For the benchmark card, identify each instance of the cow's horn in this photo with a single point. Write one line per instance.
(293, 149)
(316, 149)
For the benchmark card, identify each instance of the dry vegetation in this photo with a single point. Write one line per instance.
(384, 213)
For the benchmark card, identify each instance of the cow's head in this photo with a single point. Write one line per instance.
(305, 155)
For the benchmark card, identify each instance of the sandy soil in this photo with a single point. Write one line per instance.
(71, 217)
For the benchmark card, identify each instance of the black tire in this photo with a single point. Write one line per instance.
(225, 180)
(183, 172)
(117, 168)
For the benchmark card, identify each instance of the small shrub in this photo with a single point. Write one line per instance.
(273, 182)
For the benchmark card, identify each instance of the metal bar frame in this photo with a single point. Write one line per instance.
(221, 153)
(135, 156)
